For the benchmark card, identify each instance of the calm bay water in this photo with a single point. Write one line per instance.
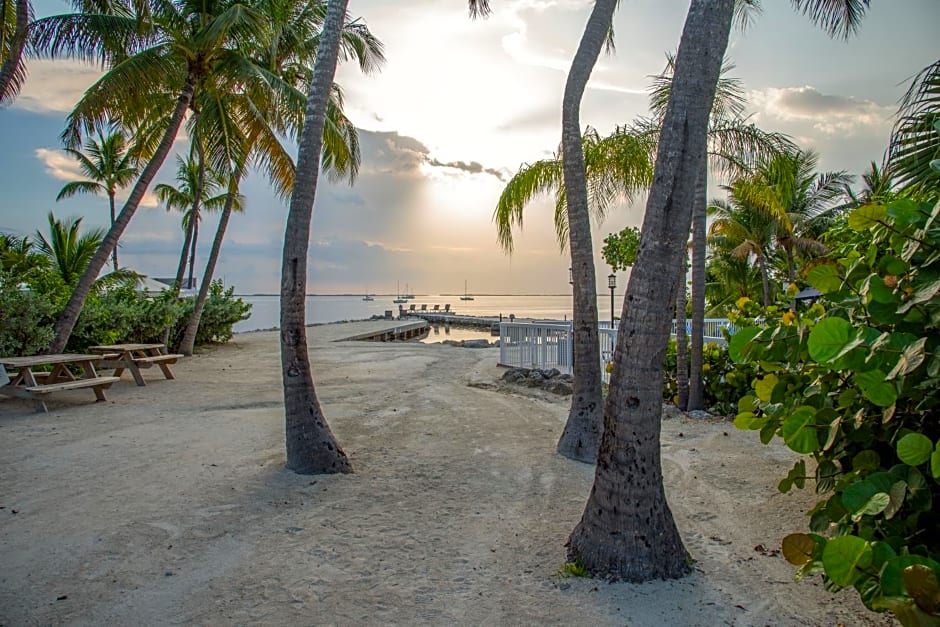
(265, 311)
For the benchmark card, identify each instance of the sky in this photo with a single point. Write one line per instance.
(459, 105)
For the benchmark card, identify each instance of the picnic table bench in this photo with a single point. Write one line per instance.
(25, 383)
(135, 357)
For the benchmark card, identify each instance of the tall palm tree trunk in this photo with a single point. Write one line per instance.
(682, 343)
(192, 252)
(311, 446)
(17, 43)
(192, 326)
(764, 280)
(69, 316)
(627, 530)
(697, 347)
(114, 254)
(582, 432)
(184, 257)
(197, 197)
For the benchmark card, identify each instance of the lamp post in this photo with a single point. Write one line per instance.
(612, 284)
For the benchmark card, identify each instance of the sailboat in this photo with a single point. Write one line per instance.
(368, 296)
(399, 299)
(407, 295)
(465, 295)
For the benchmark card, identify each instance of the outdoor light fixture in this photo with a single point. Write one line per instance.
(612, 284)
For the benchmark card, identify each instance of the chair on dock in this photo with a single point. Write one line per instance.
(411, 309)
(447, 309)
(424, 308)
(437, 309)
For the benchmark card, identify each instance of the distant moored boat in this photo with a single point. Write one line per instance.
(465, 296)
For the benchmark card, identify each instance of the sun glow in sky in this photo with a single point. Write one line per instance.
(458, 106)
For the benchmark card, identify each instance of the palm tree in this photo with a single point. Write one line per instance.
(157, 55)
(735, 147)
(797, 198)
(14, 23)
(627, 530)
(195, 191)
(109, 164)
(311, 446)
(914, 155)
(69, 251)
(254, 131)
(728, 278)
(746, 232)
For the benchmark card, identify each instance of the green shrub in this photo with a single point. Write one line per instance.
(855, 386)
(723, 381)
(26, 319)
(222, 311)
(124, 315)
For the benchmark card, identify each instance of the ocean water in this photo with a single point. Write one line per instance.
(265, 311)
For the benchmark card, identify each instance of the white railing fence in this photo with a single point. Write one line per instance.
(548, 344)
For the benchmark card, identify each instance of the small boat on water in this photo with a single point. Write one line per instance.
(465, 296)
(368, 297)
(399, 299)
(407, 295)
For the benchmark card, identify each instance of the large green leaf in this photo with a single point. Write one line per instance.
(914, 449)
(875, 388)
(828, 338)
(825, 277)
(764, 388)
(843, 557)
(740, 345)
(866, 216)
(799, 430)
(935, 462)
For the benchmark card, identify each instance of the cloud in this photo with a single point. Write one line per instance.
(55, 86)
(826, 113)
(59, 165)
(472, 167)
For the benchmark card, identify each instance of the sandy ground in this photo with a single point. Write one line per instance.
(169, 504)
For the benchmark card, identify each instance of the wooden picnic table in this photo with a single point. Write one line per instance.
(25, 383)
(134, 357)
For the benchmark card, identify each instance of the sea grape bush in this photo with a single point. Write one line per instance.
(724, 382)
(855, 386)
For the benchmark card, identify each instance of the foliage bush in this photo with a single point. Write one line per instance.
(124, 315)
(222, 311)
(724, 382)
(26, 319)
(855, 386)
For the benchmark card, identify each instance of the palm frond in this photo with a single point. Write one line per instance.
(542, 177)
(839, 18)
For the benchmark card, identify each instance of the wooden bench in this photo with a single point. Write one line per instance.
(136, 357)
(98, 382)
(146, 362)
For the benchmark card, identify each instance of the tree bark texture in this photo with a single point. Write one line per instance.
(311, 447)
(11, 66)
(197, 198)
(682, 343)
(69, 316)
(765, 282)
(192, 325)
(697, 343)
(114, 254)
(627, 530)
(581, 436)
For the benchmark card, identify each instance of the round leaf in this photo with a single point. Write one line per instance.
(866, 216)
(874, 387)
(828, 338)
(914, 449)
(799, 430)
(764, 388)
(825, 277)
(798, 548)
(740, 344)
(843, 557)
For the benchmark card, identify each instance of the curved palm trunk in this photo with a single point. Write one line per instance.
(627, 530)
(184, 256)
(311, 447)
(69, 316)
(582, 432)
(197, 199)
(8, 71)
(696, 382)
(192, 251)
(114, 256)
(192, 326)
(682, 344)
